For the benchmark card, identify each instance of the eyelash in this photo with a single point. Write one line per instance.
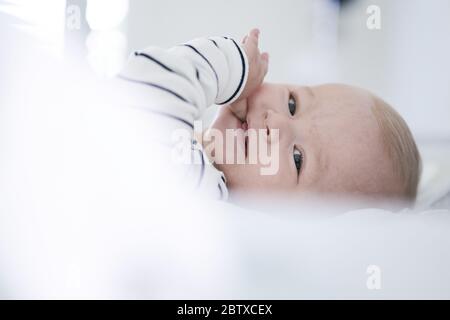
(291, 98)
(298, 160)
(297, 154)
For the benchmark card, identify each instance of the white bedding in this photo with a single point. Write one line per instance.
(434, 188)
(85, 214)
(93, 220)
(221, 251)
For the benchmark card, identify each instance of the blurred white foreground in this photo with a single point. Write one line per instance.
(87, 212)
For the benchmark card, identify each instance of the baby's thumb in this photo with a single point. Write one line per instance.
(265, 61)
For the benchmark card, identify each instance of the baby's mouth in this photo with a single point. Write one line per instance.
(244, 127)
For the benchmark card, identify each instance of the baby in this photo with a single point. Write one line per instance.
(333, 138)
(329, 139)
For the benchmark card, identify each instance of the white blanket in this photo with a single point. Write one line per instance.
(86, 213)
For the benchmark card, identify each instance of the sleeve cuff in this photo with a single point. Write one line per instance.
(238, 70)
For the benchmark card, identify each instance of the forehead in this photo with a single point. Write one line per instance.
(336, 107)
(335, 95)
(346, 135)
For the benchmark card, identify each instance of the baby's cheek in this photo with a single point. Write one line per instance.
(259, 98)
(268, 98)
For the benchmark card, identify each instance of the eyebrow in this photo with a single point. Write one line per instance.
(319, 160)
(316, 152)
(310, 92)
(299, 92)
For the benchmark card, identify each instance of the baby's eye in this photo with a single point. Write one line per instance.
(292, 105)
(298, 159)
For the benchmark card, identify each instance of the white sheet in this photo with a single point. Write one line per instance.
(220, 251)
(86, 213)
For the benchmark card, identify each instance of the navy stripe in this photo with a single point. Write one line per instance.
(215, 43)
(221, 191)
(197, 74)
(207, 61)
(146, 55)
(142, 54)
(155, 86)
(202, 172)
(243, 73)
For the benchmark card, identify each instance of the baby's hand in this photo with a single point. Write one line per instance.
(258, 66)
(258, 63)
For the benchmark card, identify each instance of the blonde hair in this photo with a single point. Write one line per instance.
(400, 146)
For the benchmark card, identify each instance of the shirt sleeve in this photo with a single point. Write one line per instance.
(193, 76)
(181, 82)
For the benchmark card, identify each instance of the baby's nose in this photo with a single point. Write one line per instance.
(275, 120)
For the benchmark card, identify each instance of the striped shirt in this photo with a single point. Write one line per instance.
(179, 84)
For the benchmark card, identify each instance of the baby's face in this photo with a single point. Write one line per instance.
(328, 141)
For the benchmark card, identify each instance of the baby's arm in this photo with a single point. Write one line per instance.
(180, 83)
(188, 78)
(258, 69)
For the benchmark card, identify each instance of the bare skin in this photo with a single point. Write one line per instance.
(331, 127)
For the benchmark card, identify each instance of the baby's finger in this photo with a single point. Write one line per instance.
(245, 39)
(265, 62)
(254, 35)
(265, 56)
